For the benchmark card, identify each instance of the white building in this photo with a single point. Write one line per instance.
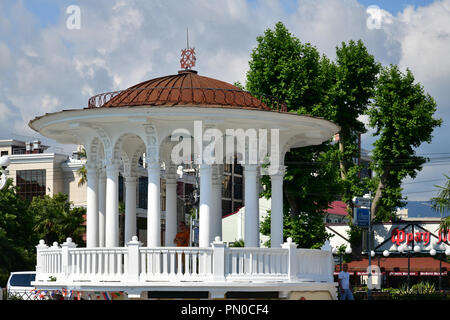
(37, 172)
(233, 224)
(135, 133)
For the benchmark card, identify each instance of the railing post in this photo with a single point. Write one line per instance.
(65, 257)
(292, 263)
(133, 260)
(327, 248)
(40, 260)
(218, 260)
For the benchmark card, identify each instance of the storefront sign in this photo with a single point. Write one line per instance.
(399, 236)
(444, 273)
(361, 217)
(403, 273)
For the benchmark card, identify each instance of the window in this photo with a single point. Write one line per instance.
(22, 279)
(31, 183)
(143, 192)
(4, 153)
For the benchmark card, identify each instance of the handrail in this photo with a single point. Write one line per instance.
(217, 263)
(219, 96)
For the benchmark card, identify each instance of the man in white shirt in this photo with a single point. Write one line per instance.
(344, 284)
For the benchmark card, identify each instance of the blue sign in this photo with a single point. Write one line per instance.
(362, 217)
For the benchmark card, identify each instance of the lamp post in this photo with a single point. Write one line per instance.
(407, 251)
(433, 252)
(340, 252)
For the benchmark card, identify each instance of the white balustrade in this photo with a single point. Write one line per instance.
(218, 263)
(255, 263)
(313, 265)
(175, 263)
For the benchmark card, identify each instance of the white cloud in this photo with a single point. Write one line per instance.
(122, 43)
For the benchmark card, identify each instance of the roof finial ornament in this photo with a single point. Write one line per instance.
(188, 59)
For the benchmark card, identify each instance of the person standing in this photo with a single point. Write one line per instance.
(182, 240)
(182, 237)
(344, 284)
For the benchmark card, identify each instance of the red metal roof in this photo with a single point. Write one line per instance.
(390, 264)
(184, 88)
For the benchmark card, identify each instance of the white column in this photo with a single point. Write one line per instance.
(276, 220)
(251, 233)
(205, 205)
(216, 209)
(258, 182)
(101, 207)
(171, 210)
(130, 208)
(92, 208)
(153, 205)
(112, 206)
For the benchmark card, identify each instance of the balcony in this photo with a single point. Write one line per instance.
(217, 269)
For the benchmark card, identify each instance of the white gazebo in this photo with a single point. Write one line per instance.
(152, 129)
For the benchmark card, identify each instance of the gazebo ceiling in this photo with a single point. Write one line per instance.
(186, 88)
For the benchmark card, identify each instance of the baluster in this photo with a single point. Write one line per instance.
(83, 266)
(261, 262)
(107, 263)
(150, 271)
(187, 264)
(165, 256)
(94, 262)
(143, 263)
(118, 256)
(255, 256)
(73, 261)
(125, 262)
(247, 263)
(101, 264)
(180, 263)
(59, 263)
(194, 263)
(79, 262)
(52, 263)
(241, 262)
(267, 263)
(234, 262)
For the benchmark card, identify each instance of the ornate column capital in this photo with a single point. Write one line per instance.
(171, 174)
(278, 171)
(130, 179)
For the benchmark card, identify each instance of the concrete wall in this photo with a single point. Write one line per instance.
(233, 226)
(60, 177)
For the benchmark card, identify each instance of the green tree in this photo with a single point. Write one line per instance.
(283, 67)
(441, 203)
(55, 219)
(306, 230)
(16, 236)
(83, 170)
(402, 115)
(353, 80)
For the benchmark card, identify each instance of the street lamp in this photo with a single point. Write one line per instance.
(336, 251)
(433, 252)
(405, 249)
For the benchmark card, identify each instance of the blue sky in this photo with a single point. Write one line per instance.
(49, 12)
(395, 6)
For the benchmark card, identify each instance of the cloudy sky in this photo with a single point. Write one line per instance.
(49, 62)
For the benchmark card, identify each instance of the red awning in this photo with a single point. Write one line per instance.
(399, 265)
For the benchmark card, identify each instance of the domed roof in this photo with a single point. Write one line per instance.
(186, 88)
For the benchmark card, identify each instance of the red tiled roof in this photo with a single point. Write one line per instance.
(417, 264)
(338, 208)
